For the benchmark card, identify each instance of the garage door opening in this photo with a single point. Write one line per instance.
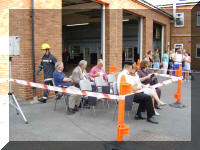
(158, 35)
(131, 37)
(82, 32)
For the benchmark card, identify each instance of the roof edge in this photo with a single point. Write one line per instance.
(155, 7)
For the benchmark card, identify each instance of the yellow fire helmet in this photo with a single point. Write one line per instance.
(45, 46)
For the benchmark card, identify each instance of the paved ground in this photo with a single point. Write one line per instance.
(48, 125)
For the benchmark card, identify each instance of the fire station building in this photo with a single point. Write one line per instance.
(113, 30)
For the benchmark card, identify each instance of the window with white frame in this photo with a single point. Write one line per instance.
(198, 18)
(178, 46)
(198, 50)
(179, 20)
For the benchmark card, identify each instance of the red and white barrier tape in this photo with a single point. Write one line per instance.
(71, 90)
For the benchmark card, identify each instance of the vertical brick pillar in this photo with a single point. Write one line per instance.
(48, 29)
(113, 54)
(147, 34)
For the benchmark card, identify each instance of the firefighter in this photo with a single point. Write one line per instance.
(48, 65)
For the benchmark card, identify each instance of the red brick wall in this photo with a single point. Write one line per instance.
(48, 28)
(114, 19)
(195, 38)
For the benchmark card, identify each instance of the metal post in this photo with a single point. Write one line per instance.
(12, 96)
(103, 33)
(140, 36)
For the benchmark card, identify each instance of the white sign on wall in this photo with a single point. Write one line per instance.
(14, 45)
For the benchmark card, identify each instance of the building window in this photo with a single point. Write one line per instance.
(179, 20)
(178, 46)
(198, 50)
(198, 18)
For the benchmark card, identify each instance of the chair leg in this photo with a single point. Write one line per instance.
(66, 99)
(82, 105)
(55, 105)
(107, 100)
(115, 112)
(93, 107)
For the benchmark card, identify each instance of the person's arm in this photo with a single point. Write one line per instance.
(93, 73)
(54, 60)
(40, 68)
(104, 74)
(67, 80)
(76, 76)
(145, 78)
(135, 87)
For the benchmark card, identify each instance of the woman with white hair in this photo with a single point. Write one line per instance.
(98, 70)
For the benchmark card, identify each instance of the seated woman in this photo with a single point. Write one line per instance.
(137, 85)
(98, 70)
(144, 72)
(61, 80)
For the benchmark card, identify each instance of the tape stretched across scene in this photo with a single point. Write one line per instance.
(71, 90)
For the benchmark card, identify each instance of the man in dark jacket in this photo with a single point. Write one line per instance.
(48, 65)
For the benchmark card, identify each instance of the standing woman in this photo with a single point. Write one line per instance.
(171, 62)
(165, 60)
(156, 59)
(187, 61)
(178, 58)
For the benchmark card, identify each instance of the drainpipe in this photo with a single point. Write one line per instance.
(33, 51)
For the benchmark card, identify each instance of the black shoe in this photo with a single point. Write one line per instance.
(70, 111)
(139, 117)
(42, 100)
(158, 107)
(75, 108)
(152, 120)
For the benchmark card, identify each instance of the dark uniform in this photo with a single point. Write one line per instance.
(48, 65)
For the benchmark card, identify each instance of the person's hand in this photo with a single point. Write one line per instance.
(148, 77)
(97, 74)
(38, 71)
(71, 80)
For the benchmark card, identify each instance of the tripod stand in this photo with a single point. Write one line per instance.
(12, 98)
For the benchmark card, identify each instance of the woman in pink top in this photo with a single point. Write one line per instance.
(98, 70)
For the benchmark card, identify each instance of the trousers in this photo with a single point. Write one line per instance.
(145, 103)
(46, 92)
(74, 99)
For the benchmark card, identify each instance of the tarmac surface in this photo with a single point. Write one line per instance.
(45, 124)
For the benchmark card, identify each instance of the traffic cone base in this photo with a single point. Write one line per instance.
(177, 105)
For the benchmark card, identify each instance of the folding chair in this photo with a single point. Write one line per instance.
(111, 80)
(85, 85)
(128, 102)
(102, 87)
(59, 96)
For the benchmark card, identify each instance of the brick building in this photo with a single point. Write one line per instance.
(185, 31)
(114, 30)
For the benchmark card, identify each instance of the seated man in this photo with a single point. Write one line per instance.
(61, 80)
(144, 72)
(144, 100)
(79, 73)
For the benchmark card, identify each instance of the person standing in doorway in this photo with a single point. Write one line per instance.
(156, 59)
(165, 60)
(65, 58)
(48, 65)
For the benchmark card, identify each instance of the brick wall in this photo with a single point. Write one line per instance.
(114, 35)
(48, 28)
(195, 37)
(4, 31)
